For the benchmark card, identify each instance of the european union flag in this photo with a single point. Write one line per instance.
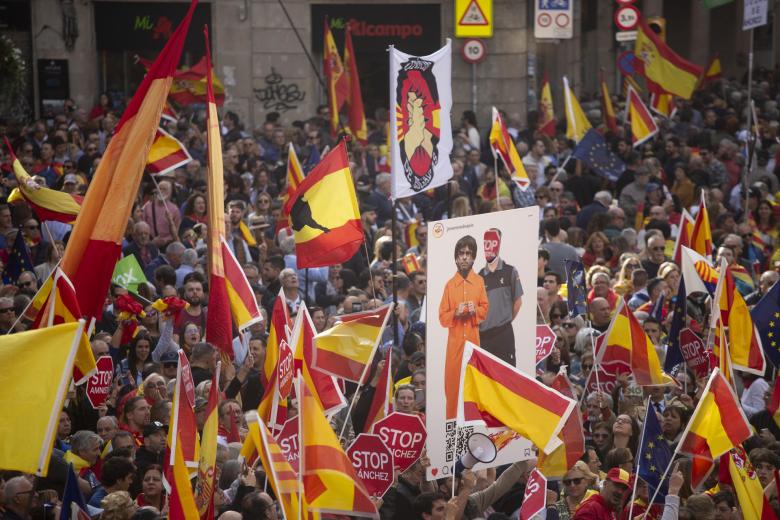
(766, 318)
(72, 497)
(18, 260)
(654, 456)
(594, 152)
(575, 286)
(679, 306)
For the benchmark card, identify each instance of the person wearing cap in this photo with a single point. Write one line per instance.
(169, 361)
(602, 506)
(155, 435)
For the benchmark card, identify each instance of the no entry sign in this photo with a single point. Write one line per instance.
(373, 462)
(405, 435)
(99, 385)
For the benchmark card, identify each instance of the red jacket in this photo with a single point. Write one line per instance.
(594, 508)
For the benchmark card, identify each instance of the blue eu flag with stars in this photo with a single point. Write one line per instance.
(766, 318)
(575, 288)
(594, 152)
(654, 456)
(18, 260)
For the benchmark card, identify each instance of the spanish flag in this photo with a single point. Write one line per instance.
(189, 86)
(410, 263)
(750, 493)
(47, 204)
(96, 241)
(496, 394)
(324, 213)
(295, 177)
(701, 237)
(243, 304)
(626, 342)
(335, 77)
(37, 367)
(218, 325)
(502, 146)
(546, 121)
(183, 428)
(207, 465)
(273, 406)
(166, 154)
(181, 504)
(714, 71)
(381, 404)
(347, 349)
(662, 103)
(576, 122)
(718, 423)
(410, 237)
(330, 483)
(355, 111)
(683, 236)
(610, 121)
(643, 125)
(557, 463)
(661, 65)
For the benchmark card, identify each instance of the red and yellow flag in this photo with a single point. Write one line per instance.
(610, 121)
(207, 465)
(683, 236)
(625, 342)
(324, 213)
(166, 154)
(47, 204)
(577, 125)
(335, 77)
(96, 241)
(643, 126)
(218, 325)
(355, 111)
(546, 121)
(718, 423)
(502, 146)
(181, 504)
(330, 483)
(662, 103)
(243, 304)
(750, 493)
(410, 263)
(557, 463)
(774, 402)
(183, 428)
(661, 65)
(714, 71)
(701, 236)
(347, 349)
(294, 179)
(383, 394)
(496, 394)
(273, 406)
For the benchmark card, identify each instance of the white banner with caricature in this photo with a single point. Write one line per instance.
(483, 290)
(420, 129)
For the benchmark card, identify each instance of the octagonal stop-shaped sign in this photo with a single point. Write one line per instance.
(545, 341)
(405, 435)
(373, 463)
(288, 442)
(99, 385)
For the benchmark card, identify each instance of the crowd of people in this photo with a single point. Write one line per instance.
(623, 232)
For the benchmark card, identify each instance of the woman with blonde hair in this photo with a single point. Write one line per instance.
(118, 506)
(460, 207)
(670, 272)
(578, 485)
(628, 263)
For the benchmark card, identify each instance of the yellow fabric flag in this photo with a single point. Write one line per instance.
(37, 368)
(660, 64)
(576, 122)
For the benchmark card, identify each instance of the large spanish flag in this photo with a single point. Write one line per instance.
(47, 204)
(218, 325)
(750, 493)
(96, 241)
(324, 213)
(181, 504)
(607, 110)
(546, 121)
(330, 483)
(189, 86)
(167, 154)
(335, 77)
(37, 367)
(502, 146)
(718, 423)
(660, 64)
(557, 463)
(355, 112)
(577, 125)
(643, 126)
(701, 237)
(626, 342)
(496, 394)
(347, 349)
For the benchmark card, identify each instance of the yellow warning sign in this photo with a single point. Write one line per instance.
(473, 18)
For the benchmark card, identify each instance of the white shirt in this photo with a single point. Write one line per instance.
(753, 397)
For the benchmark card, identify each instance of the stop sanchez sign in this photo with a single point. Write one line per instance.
(288, 442)
(373, 463)
(405, 435)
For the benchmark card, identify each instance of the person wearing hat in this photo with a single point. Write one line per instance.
(602, 506)
(169, 361)
(155, 435)
(69, 183)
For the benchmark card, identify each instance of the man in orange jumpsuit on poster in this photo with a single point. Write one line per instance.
(463, 306)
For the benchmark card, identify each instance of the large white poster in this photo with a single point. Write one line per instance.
(420, 129)
(482, 289)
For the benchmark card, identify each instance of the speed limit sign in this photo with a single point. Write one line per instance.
(474, 51)
(626, 17)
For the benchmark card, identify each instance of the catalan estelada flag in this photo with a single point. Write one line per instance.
(661, 65)
(496, 394)
(608, 111)
(577, 125)
(207, 464)
(324, 213)
(243, 304)
(557, 463)
(30, 406)
(355, 112)
(335, 77)
(750, 493)
(625, 342)
(347, 349)
(503, 147)
(718, 423)
(547, 121)
(273, 406)
(218, 325)
(701, 237)
(47, 204)
(166, 154)
(643, 126)
(330, 483)
(96, 240)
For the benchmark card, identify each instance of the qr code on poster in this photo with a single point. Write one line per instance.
(455, 440)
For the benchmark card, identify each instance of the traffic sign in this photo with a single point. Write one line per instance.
(754, 14)
(626, 17)
(553, 20)
(625, 63)
(625, 36)
(405, 435)
(545, 341)
(373, 462)
(473, 18)
(288, 441)
(99, 385)
(473, 51)
(284, 369)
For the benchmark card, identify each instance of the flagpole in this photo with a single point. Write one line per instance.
(751, 142)
(663, 477)
(32, 300)
(394, 269)
(495, 175)
(636, 475)
(354, 396)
